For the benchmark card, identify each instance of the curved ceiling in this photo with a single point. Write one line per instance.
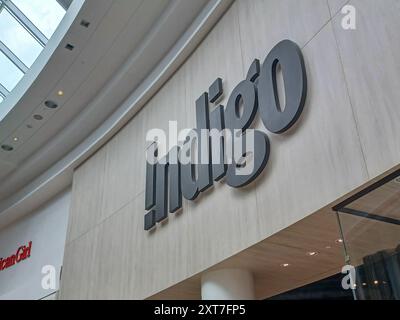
(109, 52)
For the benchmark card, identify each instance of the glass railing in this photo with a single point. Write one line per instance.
(370, 224)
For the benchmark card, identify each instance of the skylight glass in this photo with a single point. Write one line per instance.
(45, 14)
(25, 27)
(10, 75)
(18, 39)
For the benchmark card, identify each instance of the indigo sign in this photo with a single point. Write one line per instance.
(226, 146)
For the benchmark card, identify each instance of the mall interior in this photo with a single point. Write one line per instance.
(83, 215)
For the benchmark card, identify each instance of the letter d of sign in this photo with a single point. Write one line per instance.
(275, 118)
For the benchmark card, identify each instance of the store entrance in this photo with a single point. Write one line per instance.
(314, 257)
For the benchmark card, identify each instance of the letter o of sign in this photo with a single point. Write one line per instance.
(289, 56)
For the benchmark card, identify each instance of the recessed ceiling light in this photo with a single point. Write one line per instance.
(37, 117)
(60, 93)
(51, 104)
(376, 282)
(328, 247)
(6, 147)
(312, 253)
(15, 139)
(285, 265)
(339, 241)
(364, 284)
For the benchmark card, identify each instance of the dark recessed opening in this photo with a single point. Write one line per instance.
(69, 47)
(6, 147)
(37, 117)
(325, 289)
(85, 23)
(51, 104)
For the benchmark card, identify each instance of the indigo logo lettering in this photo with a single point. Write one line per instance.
(223, 145)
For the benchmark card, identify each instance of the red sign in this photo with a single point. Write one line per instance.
(23, 253)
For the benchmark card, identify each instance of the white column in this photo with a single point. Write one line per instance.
(227, 284)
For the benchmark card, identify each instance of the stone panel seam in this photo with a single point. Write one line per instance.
(351, 103)
(98, 224)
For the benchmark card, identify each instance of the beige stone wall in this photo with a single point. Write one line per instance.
(348, 133)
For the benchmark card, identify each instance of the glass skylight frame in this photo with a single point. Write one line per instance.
(31, 28)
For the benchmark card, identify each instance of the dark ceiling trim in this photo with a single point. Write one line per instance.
(367, 190)
(371, 216)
